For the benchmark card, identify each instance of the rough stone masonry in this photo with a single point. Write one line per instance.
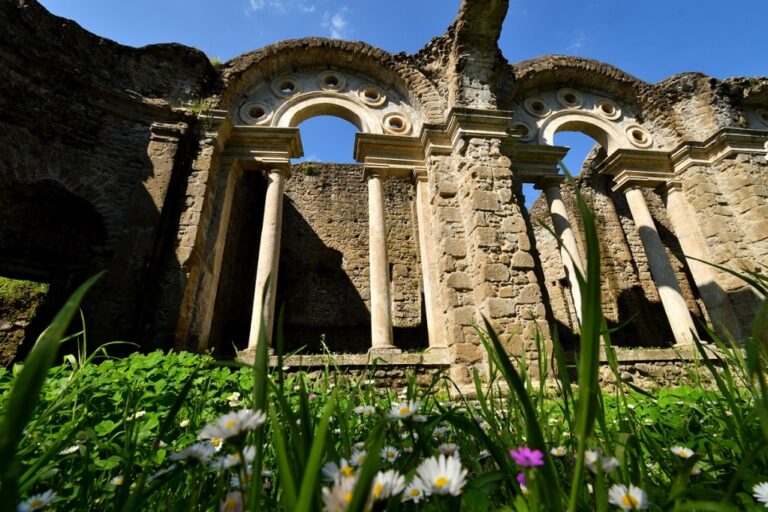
(176, 177)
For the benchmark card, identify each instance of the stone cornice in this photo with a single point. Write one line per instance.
(464, 123)
(398, 154)
(723, 144)
(536, 164)
(258, 147)
(637, 168)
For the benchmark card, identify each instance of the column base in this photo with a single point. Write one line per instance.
(439, 352)
(249, 355)
(383, 352)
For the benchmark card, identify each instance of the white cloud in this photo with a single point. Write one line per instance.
(337, 24)
(281, 6)
(578, 40)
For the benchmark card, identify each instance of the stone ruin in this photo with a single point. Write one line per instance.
(175, 176)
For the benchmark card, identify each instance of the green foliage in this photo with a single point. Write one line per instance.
(15, 291)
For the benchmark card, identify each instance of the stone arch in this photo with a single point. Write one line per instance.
(384, 70)
(588, 124)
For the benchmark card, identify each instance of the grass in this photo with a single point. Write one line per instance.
(106, 433)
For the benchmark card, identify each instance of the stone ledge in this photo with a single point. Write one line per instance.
(650, 355)
(355, 360)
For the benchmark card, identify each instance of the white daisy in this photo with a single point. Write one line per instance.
(404, 409)
(37, 502)
(558, 451)
(360, 445)
(389, 453)
(184, 423)
(760, 492)
(440, 432)
(682, 452)
(161, 473)
(451, 449)
(233, 424)
(118, 480)
(387, 484)
(333, 471)
(234, 399)
(364, 409)
(632, 498)
(593, 457)
(419, 418)
(200, 452)
(442, 475)
(338, 497)
(358, 458)
(415, 491)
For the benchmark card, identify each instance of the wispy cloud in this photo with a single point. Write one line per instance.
(337, 24)
(578, 40)
(281, 6)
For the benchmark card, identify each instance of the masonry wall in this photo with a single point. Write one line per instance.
(324, 264)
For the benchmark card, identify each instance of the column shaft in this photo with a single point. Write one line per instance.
(269, 258)
(428, 267)
(381, 309)
(666, 282)
(569, 250)
(715, 300)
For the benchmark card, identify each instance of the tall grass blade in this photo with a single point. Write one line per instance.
(26, 391)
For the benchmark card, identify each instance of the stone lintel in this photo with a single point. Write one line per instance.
(536, 164)
(435, 141)
(637, 168)
(432, 357)
(723, 144)
(258, 147)
(465, 123)
(399, 154)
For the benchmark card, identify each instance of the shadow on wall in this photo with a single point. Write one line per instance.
(50, 235)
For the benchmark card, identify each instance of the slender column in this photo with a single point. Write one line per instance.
(269, 256)
(669, 289)
(381, 308)
(715, 300)
(428, 265)
(569, 251)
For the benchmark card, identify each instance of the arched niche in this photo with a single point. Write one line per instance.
(287, 100)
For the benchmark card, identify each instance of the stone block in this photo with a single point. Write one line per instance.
(501, 307)
(485, 237)
(522, 261)
(459, 281)
(512, 224)
(483, 200)
(529, 294)
(494, 272)
(455, 247)
(462, 316)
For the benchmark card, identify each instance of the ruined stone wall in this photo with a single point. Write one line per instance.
(628, 289)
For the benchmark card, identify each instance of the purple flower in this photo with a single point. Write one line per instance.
(526, 457)
(312, 395)
(521, 479)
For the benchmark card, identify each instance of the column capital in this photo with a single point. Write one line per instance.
(637, 168)
(420, 174)
(375, 171)
(545, 182)
(532, 163)
(283, 169)
(674, 186)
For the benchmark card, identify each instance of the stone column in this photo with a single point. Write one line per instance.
(569, 251)
(663, 275)
(715, 300)
(269, 257)
(381, 308)
(437, 344)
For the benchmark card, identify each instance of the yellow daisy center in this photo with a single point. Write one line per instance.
(415, 492)
(216, 441)
(347, 497)
(404, 410)
(440, 482)
(377, 489)
(230, 504)
(36, 502)
(629, 501)
(347, 471)
(230, 424)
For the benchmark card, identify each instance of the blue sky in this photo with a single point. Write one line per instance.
(651, 39)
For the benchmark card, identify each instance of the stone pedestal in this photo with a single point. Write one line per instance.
(663, 275)
(269, 257)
